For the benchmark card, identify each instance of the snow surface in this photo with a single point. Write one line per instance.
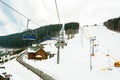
(75, 57)
(18, 71)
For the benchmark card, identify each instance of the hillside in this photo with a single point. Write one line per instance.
(47, 32)
(75, 58)
(113, 24)
(40, 34)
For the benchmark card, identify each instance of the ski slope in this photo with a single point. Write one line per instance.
(18, 71)
(75, 57)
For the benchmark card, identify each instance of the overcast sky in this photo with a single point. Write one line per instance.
(43, 12)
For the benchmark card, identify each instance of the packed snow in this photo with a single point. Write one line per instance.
(18, 71)
(75, 57)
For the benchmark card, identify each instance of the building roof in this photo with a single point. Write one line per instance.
(2, 70)
(2, 54)
(33, 49)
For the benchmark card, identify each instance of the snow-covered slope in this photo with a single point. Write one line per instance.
(75, 57)
(18, 71)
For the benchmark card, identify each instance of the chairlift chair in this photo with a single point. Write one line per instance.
(29, 37)
(29, 34)
(61, 39)
(60, 43)
(116, 63)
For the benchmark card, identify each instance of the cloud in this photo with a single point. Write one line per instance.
(43, 12)
(8, 20)
(8, 27)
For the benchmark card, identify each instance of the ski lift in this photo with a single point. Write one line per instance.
(116, 63)
(29, 34)
(63, 43)
(61, 40)
(60, 43)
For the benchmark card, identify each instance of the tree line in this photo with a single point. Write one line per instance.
(71, 29)
(113, 24)
(41, 33)
(16, 40)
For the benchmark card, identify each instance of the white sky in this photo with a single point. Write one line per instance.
(82, 11)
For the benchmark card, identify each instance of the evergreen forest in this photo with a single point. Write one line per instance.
(43, 33)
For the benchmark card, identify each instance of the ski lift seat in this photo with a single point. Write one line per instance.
(117, 64)
(61, 43)
(29, 35)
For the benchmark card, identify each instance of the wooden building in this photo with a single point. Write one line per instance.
(37, 53)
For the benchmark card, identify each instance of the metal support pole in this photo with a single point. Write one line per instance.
(82, 36)
(27, 24)
(91, 51)
(90, 57)
(58, 55)
(93, 46)
(57, 11)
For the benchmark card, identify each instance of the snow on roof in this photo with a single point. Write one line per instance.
(34, 45)
(33, 49)
(3, 54)
(2, 70)
(30, 50)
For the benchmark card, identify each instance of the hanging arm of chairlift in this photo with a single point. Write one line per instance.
(29, 34)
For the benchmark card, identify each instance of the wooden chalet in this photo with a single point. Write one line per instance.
(37, 53)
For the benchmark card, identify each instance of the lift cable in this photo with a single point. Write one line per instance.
(47, 9)
(19, 12)
(103, 46)
(109, 53)
(57, 11)
(58, 15)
